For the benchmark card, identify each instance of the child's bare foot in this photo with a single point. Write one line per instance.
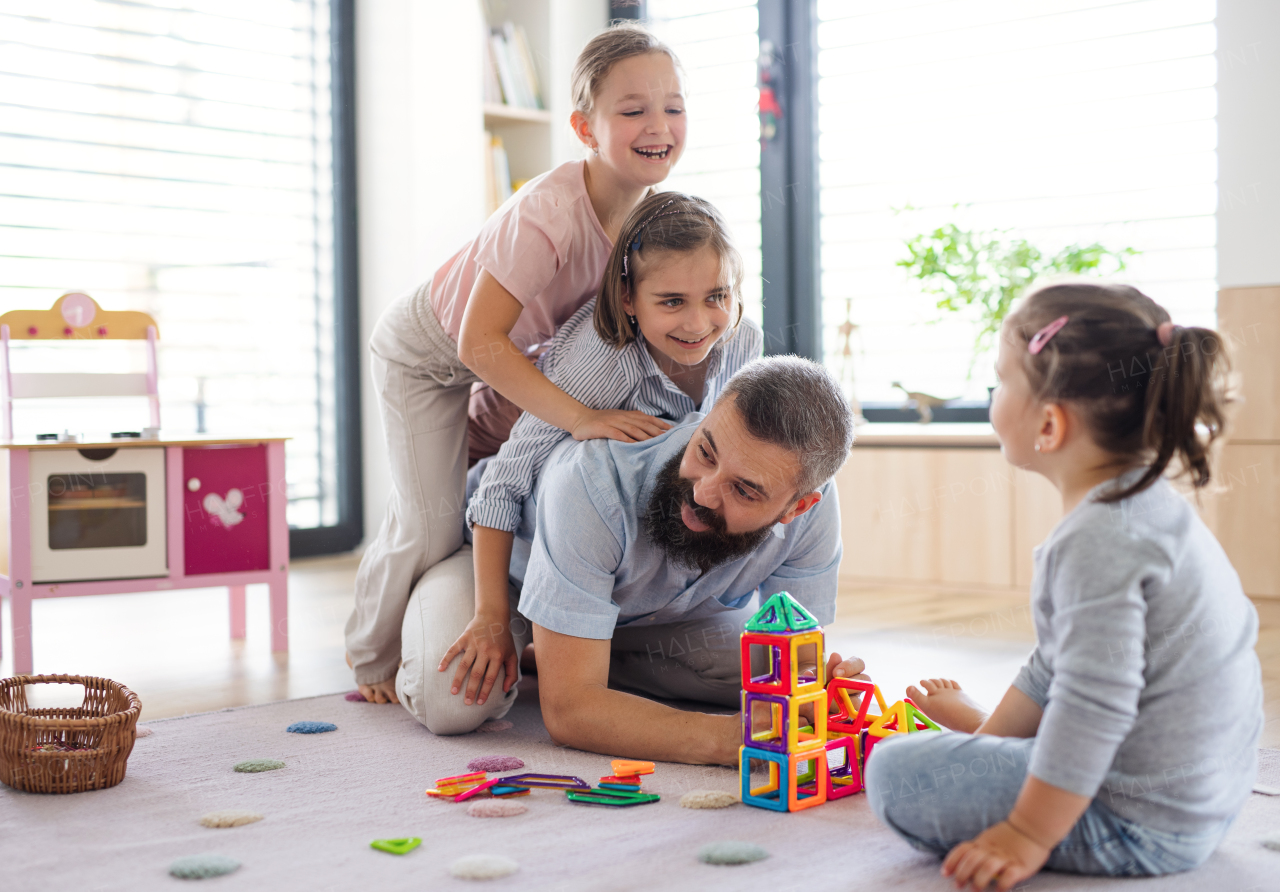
(944, 702)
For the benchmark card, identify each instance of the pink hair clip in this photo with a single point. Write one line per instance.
(1164, 333)
(1043, 335)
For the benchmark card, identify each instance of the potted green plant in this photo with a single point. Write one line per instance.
(981, 273)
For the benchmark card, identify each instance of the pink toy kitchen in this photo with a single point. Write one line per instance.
(135, 510)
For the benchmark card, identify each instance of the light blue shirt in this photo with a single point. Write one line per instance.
(587, 564)
(600, 376)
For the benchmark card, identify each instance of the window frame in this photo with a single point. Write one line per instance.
(348, 532)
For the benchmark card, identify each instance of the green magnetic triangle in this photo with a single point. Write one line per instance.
(914, 712)
(397, 846)
(781, 613)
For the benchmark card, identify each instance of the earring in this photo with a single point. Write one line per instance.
(633, 319)
(596, 149)
(1037, 447)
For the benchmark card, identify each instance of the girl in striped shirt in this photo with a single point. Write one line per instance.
(663, 337)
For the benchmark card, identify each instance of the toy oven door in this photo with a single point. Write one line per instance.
(97, 514)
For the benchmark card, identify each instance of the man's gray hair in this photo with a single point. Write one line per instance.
(796, 403)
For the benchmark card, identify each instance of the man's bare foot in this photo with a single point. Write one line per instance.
(944, 702)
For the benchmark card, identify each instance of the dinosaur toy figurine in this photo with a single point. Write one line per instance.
(923, 402)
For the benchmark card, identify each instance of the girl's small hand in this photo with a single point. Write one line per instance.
(616, 424)
(850, 668)
(1000, 854)
(485, 646)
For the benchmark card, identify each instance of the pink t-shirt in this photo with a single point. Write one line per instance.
(544, 245)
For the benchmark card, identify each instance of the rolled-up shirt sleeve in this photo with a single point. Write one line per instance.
(810, 572)
(586, 368)
(1033, 679)
(1098, 657)
(576, 550)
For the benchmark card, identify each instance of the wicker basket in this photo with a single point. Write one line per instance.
(66, 750)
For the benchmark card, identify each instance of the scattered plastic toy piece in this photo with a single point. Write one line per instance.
(254, 766)
(229, 818)
(495, 808)
(552, 781)
(632, 780)
(458, 779)
(505, 790)
(495, 763)
(625, 788)
(1266, 790)
(355, 697)
(396, 846)
(708, 799)
(731, 852)
(199, 867)
(311, 727)
(629, 768)
(490, 727)
(474, 791)
(483, 867)
(617, 798)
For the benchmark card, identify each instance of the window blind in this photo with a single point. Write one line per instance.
(718, 45)
(1062, 121)
(176, 157)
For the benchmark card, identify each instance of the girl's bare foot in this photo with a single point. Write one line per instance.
(944, 702)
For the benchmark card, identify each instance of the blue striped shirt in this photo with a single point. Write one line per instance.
(600, 376)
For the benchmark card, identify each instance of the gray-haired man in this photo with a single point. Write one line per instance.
(638, 564)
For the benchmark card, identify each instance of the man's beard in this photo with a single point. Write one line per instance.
(703, 550)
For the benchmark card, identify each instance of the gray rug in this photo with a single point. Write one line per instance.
(365, 781)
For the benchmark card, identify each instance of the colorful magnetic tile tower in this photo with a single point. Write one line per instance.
(772, 730)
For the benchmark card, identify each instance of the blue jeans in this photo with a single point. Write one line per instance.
(936, 790)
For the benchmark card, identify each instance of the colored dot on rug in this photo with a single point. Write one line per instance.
(708, 799)
(495, 763)
(355, 697)
(490, 727)
(731, 851)
(230, 817)
(483, 867)
(311, 727)
(143, 732)
(495, 808)
(253, 766)
(199, 867)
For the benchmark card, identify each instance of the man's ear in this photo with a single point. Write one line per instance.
(803, 504)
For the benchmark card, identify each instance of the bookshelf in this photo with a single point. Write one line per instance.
(535, 139)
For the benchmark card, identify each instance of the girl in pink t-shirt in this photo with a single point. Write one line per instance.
(486, 311)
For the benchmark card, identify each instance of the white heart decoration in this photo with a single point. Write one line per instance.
(225, 509)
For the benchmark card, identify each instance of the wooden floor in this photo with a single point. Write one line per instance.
(174, 649)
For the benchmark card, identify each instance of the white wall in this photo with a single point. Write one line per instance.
(1248, 143)
(420, 179)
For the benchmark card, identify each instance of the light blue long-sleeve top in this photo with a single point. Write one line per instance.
(1145, 665)
(600, 376)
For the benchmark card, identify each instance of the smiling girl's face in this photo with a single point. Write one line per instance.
(682, 304)
(638, 120)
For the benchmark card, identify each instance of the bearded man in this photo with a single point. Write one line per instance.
(638, 564)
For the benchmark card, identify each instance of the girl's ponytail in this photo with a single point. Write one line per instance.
(1186, 406)
(1152, 393)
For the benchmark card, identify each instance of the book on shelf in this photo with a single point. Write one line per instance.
(510, 66)
(497, 173)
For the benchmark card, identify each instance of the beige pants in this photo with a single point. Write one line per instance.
(696, 660)
(423, 391)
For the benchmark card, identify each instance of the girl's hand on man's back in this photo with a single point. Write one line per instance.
(617, 424)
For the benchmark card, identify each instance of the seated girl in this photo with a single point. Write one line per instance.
(1127, 744)
(663, 337)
